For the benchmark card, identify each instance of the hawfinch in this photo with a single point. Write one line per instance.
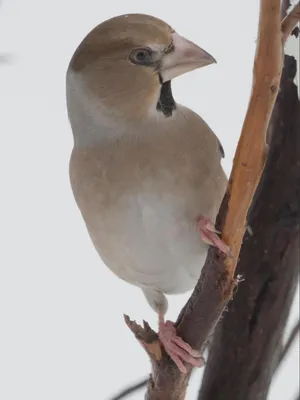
(145, 171)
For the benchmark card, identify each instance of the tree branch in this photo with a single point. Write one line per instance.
(247, 342)
(131, 389)
(215, 287)
(290, 341)
(290, 22)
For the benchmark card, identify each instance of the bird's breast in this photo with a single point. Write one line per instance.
(149, 237)
(140, 202)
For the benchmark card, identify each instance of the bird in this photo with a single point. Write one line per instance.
(145, 170)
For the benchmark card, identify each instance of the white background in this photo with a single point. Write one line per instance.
(62, 332)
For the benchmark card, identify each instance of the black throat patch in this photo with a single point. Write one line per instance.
(166, 103)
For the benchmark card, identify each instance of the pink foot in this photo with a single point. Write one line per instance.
(178, 350)
(209, 235)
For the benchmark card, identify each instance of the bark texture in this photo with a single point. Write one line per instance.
(247, 340)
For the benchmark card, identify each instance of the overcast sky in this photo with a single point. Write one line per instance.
(62, 333)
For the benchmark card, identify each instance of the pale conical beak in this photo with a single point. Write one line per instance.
(185, 56)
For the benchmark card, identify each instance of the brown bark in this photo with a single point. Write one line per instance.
(247, 341)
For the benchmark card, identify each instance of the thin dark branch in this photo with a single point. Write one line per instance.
(5, 58)
(290, 21)
(285, 5)
(130, 390)
(290, 341)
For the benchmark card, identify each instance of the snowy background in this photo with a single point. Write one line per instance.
(62, 333)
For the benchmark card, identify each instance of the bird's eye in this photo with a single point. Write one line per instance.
(141, 56)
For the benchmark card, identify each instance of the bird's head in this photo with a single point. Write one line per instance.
(127, 63)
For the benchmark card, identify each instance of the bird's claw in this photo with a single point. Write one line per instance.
(209, 235)
(178, 350)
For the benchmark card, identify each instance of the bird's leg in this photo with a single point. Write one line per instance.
(178, 350)
(209, 234)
